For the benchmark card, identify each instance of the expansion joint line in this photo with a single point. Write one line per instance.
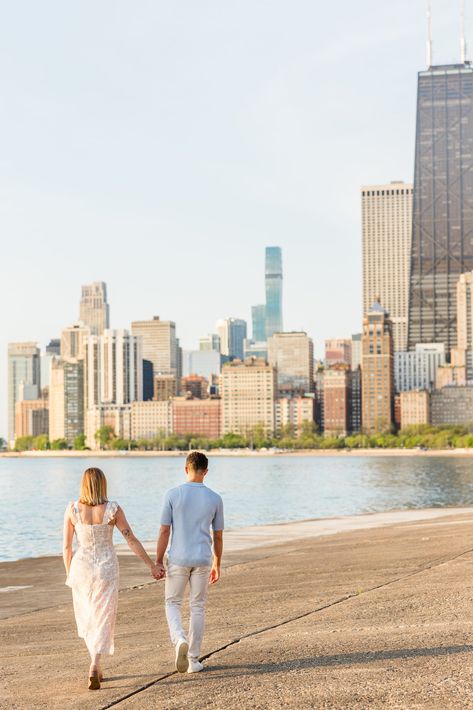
(438, 562)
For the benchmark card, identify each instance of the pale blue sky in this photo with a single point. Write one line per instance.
(160, 146)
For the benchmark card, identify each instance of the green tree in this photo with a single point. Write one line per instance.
(59, 445)
(105, 436)
(233, 441)
(79, 443)
(121, 444)
(23, 443)
(41, 442)
(3, 444)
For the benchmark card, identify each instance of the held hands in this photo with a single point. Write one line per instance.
(158, 571)
(214, 574)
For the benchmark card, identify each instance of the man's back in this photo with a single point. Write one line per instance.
(191, 510)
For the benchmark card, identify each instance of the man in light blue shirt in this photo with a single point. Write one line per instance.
(189, 513)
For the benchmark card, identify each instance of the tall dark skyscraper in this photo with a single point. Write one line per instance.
(442, 236)
(273, 287)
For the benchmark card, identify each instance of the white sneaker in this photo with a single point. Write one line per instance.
(182, 661)
(195, 666)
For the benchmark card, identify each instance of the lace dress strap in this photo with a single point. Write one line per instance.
(110, 511)
(74, 512)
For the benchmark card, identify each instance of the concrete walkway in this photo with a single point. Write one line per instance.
(378, 617)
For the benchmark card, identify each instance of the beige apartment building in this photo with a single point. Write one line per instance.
(31, 417)
(115, 415)
(386, 236)
(248, 391)
(94, 311)
(149, 419)
(292, 354)
(377, 371)
(415, 408)
(294, 411)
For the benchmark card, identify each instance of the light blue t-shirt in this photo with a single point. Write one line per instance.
(191, 510)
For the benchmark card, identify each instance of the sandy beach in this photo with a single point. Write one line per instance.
(356, 612)
(466, 453)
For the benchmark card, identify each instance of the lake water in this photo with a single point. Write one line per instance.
(34, 492)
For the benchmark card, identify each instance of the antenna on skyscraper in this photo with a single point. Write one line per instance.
(463, 47)
(429, 34)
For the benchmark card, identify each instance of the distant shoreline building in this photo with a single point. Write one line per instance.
(442, 247)
(387, 235)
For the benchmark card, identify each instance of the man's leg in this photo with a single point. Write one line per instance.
(176, 581)
(199, 585)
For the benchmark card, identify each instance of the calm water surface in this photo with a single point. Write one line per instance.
(34, 492)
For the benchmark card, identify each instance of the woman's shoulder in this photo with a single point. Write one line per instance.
(113, 508)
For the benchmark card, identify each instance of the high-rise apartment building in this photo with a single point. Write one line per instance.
(94, 310)
(66, 399)
(356, 351)
(442, 247)
(151, 419)
(248, 391)
(292, 354)
(232, 333)
(195, 385)
(462, 354)
(417, 369)
(337, 400)
(377, 371)
(72, 342)
(338, 351)
(273, 288)
(387, 230)
(23, 367)
(113, 369)
(161, 351)
(415, 408)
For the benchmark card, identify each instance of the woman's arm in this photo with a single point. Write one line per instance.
(134, 544)
(67, 539)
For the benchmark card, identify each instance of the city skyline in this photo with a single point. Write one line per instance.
(285, 202)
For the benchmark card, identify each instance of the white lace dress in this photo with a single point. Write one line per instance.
(93, 578)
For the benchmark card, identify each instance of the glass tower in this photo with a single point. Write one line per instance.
(273, 284)
(442, 225)
(258, 317)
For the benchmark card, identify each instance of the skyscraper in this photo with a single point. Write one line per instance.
(23, 367)
(113, 366)
(210, 342)
(377, 371)
(442, 244)
(273, 288)
(51, 350)
(292, 355)
(387, 228)
(248, 397)
(232, 332)
(258, 318)
(94, 309)
(161, 351)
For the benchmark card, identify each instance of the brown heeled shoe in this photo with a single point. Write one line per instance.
(94, 681)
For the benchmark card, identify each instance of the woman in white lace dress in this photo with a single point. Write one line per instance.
(92, 572)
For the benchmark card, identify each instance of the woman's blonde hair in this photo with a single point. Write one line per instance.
(93, 488)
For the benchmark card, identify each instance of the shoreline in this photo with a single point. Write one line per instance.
(250, 537)
(465, 453)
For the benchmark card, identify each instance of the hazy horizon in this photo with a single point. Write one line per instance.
(160, 148)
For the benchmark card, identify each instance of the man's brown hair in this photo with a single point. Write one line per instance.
(197, 461)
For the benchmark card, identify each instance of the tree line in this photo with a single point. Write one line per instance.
(424, 436)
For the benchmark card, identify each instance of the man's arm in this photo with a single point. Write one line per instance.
(162, 546)
(218, 552)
